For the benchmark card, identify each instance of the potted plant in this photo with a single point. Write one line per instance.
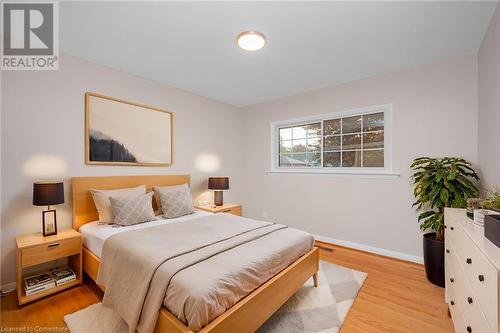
(492, 202)
(439, 183)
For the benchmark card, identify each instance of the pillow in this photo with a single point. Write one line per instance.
(176, 201)
(133, 210)
(101, 200)
(158, 189)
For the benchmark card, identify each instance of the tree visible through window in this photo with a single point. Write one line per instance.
(300, 146)
(345, 142)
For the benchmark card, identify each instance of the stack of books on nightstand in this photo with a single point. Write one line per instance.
(47, 280)
(38, 283)
(63, 275)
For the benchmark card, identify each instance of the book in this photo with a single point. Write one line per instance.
(41, 288)
(63, 275)
(66, 280)
(39, 280)
(62, 272)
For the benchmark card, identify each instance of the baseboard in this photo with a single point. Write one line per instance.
(371, 249)
(8, 286)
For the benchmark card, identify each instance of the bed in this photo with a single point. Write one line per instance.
(249, 312)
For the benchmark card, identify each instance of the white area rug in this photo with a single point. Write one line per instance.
(310, 310)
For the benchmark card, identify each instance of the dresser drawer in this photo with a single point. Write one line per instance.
(50, 251)
(458, 319)
(450, 231)
(480, 273)
(456, 314)
(465, 299)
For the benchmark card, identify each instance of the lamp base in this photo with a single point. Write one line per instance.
(218, 198)
(49, 222)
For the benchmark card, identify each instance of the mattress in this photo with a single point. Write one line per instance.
(95, 233)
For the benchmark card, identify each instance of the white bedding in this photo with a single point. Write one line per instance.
(95, 233)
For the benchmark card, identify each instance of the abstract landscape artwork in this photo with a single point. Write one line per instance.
(125, 133)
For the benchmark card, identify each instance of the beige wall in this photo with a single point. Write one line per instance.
(434, 114)
(489, 104)
(43, 114)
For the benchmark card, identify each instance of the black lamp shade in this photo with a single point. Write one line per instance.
(218, 183)
(46, 194)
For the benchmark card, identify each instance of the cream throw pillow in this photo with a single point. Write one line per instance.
(176, 201)
(101, 200)
(133, 210)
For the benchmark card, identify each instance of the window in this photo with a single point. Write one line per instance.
(351, 140)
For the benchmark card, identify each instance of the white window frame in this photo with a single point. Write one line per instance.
(386, 170)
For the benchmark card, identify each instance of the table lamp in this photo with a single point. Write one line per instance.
(218, 184)
(47, 194)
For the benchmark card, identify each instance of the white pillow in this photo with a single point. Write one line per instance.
(176, 201)
(133, 209)
(101, 200)
(158, 189)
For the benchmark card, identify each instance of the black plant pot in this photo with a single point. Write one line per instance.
(434, 259)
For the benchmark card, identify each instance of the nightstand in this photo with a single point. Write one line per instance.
(234, 209)
(35, 249)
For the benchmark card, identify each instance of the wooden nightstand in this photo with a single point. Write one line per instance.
(234, 209)
(34, 249)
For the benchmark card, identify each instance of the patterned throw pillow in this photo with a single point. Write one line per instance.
(158, 189)
(176, 201)
(133, 209)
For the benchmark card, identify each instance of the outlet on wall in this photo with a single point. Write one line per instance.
(264, 214)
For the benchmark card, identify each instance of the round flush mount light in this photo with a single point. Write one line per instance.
(251, 40)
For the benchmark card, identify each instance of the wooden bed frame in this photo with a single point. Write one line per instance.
(247, 315)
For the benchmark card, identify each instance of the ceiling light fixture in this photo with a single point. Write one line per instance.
(251, 40)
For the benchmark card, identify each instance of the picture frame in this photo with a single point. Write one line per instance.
(49, 222)
(119, 132)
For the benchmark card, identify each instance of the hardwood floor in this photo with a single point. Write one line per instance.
(395, 297)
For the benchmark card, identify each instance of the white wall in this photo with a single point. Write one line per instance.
(489, 104)
(43, 114)
(434, 114)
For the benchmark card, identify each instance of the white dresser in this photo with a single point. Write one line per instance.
(472, 275)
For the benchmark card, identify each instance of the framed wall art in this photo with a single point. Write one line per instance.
(118, 132)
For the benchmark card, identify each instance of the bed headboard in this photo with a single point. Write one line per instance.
(84, 210)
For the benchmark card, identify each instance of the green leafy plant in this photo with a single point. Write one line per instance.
(439, 183)
(492, 202)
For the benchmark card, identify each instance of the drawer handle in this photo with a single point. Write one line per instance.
(452, 303)
(481, 277)
(447, 251)
(53, 245)
(451, 228)
(226, 211)
(445, 226)
(452, 280)
(469, 261)
(469, 329)
(469, 300)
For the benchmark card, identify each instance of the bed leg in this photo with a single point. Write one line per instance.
(315, 279)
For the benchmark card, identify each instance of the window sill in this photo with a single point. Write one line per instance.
(361, 174)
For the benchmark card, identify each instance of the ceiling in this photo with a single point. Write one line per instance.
(310, 45)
